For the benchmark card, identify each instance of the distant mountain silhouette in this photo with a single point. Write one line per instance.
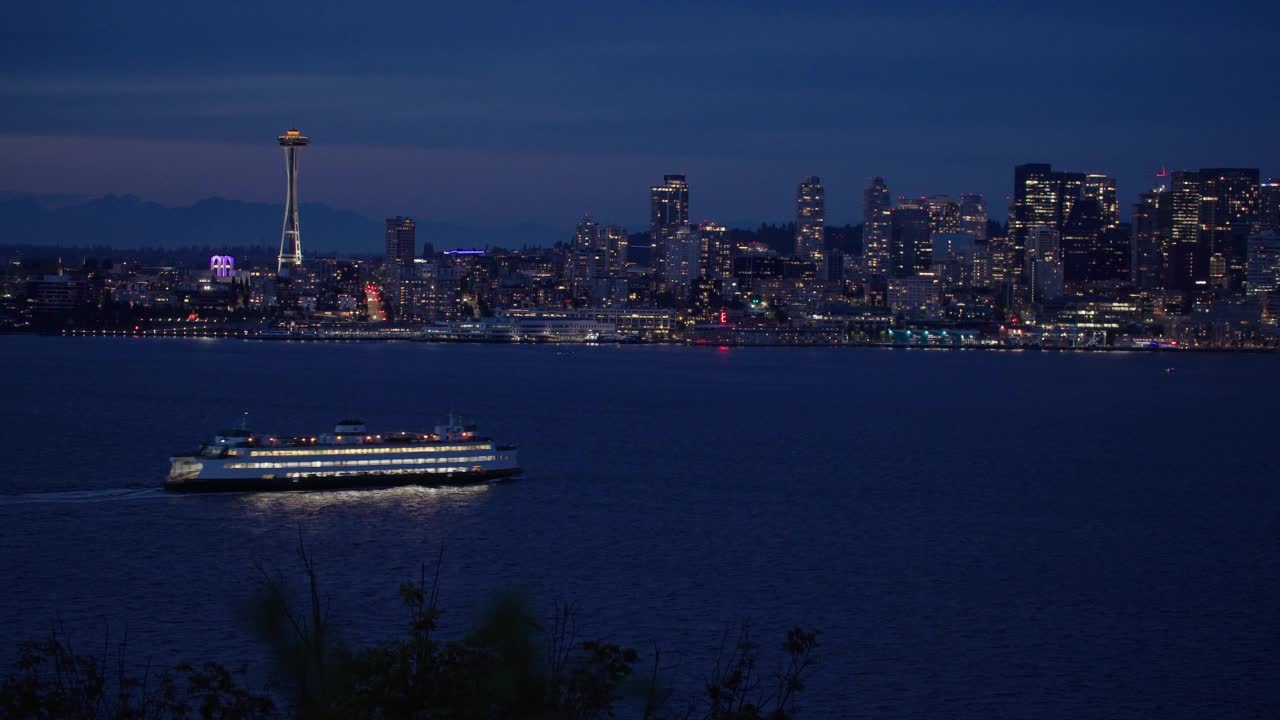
(127, 221)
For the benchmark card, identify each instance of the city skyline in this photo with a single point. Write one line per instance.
(490, 123)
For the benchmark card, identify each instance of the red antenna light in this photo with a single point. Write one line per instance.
(1163, 172)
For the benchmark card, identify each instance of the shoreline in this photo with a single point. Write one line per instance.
(667, 343)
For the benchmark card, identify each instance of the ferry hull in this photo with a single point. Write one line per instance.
(370, 481)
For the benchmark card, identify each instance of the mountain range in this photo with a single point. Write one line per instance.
(127, 221)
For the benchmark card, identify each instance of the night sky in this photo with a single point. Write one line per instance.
(527, 112)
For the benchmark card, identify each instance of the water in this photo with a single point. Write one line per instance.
(977, 534)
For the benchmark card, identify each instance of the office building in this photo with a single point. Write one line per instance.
(401, 241)
(1102, 189)
(1044, 264)
(910, 243)
(1186, 265)
(1042, 197)
(668, 211)
(1229, 214)
(1263, 265)
(877, 227)
(1269, 212)
(944, 213)
(973, 216)
(682, 251)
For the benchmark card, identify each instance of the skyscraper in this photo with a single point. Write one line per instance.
(973, 216)
(1152, 234)
(910, 246)
(668, 210)
(1102, 188)
(1269, 214)
(615, 239)
(588, 258)
(1044, 264)
(1186, 267)
(1036, 202)
(683, 250)
(1042, 197)
(1081, 242)
(401, 241)
(291, 237)
(944, 213)
(1229, 214)
(877, 227)
(810, 222)
(1263, 265)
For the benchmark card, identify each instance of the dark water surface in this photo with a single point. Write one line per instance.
(977, 534)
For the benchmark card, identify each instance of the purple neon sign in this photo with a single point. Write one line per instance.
(222, 266)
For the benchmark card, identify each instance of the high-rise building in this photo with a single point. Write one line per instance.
(1036, 203)
(668, 211)
(1186, 266)
(1081, 243)
(1263, 266)
(810, 222)
(1229, 214)
(588, 257)
(910, 240)
(1269, 213)
(1042, 197)
(973, 216)
(944, 213)
(1102, 188)
(1044, 264)
(1152, 235)
(683, 250)
(877, 227)
(290, 257)
(401, 241)
(615, 240)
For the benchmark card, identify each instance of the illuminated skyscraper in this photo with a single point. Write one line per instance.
(683, 251)
(1269, 214)
(1044, 264)
(1187, 266)
(973, 216)
(944, 213)
(910, 246)
(1103, 189)
(877, 227)
(291, 237)
(401, 240)
(1263, 266)
(1081, 242)
(1152, 234)
(1229, 214)
(668, 210)
(588, 258)
(1036, 203)
(1042, 197)
(810, 222)
(615, 239)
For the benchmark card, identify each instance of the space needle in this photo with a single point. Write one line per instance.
(291, 238)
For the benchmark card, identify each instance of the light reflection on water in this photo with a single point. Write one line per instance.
(419, 498)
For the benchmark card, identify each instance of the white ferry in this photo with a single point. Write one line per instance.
(349, 457)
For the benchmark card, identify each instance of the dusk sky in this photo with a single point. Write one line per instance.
(501, 113)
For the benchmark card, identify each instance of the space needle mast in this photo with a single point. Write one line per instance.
(291, 238)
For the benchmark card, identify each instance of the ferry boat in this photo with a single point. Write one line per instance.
(239, 460)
